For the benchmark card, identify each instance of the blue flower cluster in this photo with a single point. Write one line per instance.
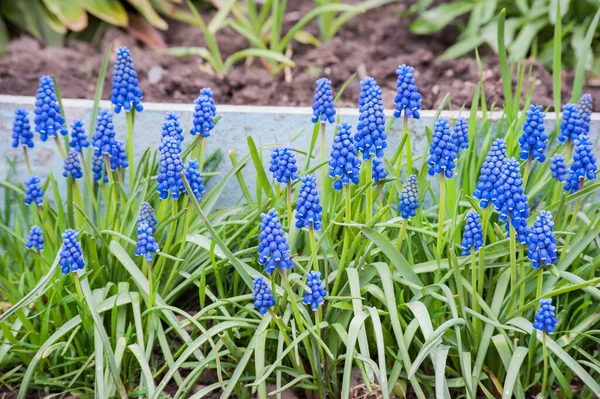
(443, 150)
(118, 156)
(584, 107)
(147, 216)
(146, 245)
(126, 93)
(542, 241)
(71, 256)
(323, 108)
(317, 293)
(283, 165)
(344, 163)
(370, 138)
(408, 98)
(572, 124)
(583, 166)
(33, 191)
(204, 113)
(48, 120)
(511, 202)
(308, 206)
(192, 174)
(273, 249)
(472, 238)
(378, 171)
(35, 239)
(79, 139)
(409, 198)
(21, 131)
(365, 85)
(558, 168)
(489, 175)
(461, 133)
(545, 318)
(72, 166)
(98, 168)
(169, 170)
(533, 140)
(171, 127)
(262, 295)
(104, 137)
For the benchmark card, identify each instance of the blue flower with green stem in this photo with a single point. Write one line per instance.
(146, 215)
(344, 165)
(378, 172)
(370, 138)
(584, 106)
(461, 133)
(49, 121)
(584, 164)
(489, 175)
(204, 114)
(409, 198)
(511, 202)
(572, 124)
(79, 139)
(192, 174)
(71, 256)
(72, 166)
(443, 150)
(118, 156)
(33, 191)
(126, 93)
(104, 137)
(316, 296)
(171, 127)
(323, 108)
(262, 296)
(283, 165)
(169, 170)
(545, 317)
(35, 239)
(472, 238)
(558, 168)
(533, 140)
(308, 206)
(21, 130)
(408, 98)
(542, 241)
(146, 245)
(273, 249)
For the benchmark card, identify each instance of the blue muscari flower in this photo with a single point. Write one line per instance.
(71, 256)
(461, 133)
(443, 150)
(262, 295)
(33, 191)
(489, 175)
(344, 162)
(22, 134)
(204, 113)
(409, 198)
(370, 138)
(379, 172)
(545, 318)
(558, 168)
(273, 249)
(323, 108)
(542, 241)
(48, 119)
(584, 106)
(283, 165)
(473, 235)
(146, 245)
(308, 207)
(408, 98)
(72, 166)
(118, 156)
(35, 239)
(533, 140)
(171, 127)
(104, 137)
(511, 201)
(192, 174)
(572, 124)
(79, 139)
(125, 91)
(583, 166)
(317, 293)
(147, 216)
(98, 168)
(169, 170)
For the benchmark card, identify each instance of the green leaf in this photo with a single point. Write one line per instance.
(69, 12)
(513, 371)
(257, 52)
(145, 8)
(583, 57)
(437, 18)
(111, 11)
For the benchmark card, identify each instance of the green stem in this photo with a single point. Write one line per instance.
(401, 234)
(313, 247)
(573, 221)
(26, 154)
(150, 284)
(474, 284)
(159, 265)
(130, 116)
(202, 151)
(545, 354)
(369, 181)
(440, 235)
(78, 287)
(347, 239)
(527, 172)
(540, 283)
(522, 277)
(513, 264)
(289, 203)
(60, 147)
(323, 154)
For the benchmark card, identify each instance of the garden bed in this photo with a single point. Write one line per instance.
(374, 43)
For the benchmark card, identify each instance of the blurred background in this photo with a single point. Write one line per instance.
(269, 52)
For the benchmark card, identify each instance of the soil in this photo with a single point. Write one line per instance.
(374, 44)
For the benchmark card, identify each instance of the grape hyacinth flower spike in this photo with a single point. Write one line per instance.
(558, 168)
(408, 98)
(262, 295)
(49, 121)
(370, 138)
(489, 176)
(443, 150)
(169, 170)
(545, 318)
(118, 156)
(584, 106)
(171, 127)
(35, 239)
(379, 172)
(472, 238)
(283, 165)
(98, 168)
(146, 245)
(147, 216)
(511, 201)
(572, 124)
(192, 174)
(409, 198)
(204, 114)
(21, 131)
(104, 137)
(126, 93)
(33, 191)
(308, 207)
(461, 133)
(79, 139)
(273, 249)
(323, 108)
(71, 256)
(583, 166)
(533, 140)
(317, 293)
(72, 166)
(542, 241)
(344, 165)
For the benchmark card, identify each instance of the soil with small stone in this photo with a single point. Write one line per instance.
(373, 43)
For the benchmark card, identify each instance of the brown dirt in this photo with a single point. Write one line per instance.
(374, 43)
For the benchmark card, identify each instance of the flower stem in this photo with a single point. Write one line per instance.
(346, 246)
(289, 203)
(540, 283)
(401, 234)
(313, 247)
(513, 263)
(369, 181)
(202, 152)
(150, 284)
(78, 287)
(323, 154)
(26, 154)
(440, 235)
(60, 147)
(572, 224)
(474, 285)
(522, 277)
(527, 172)
(545, 354)
(130, 116)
